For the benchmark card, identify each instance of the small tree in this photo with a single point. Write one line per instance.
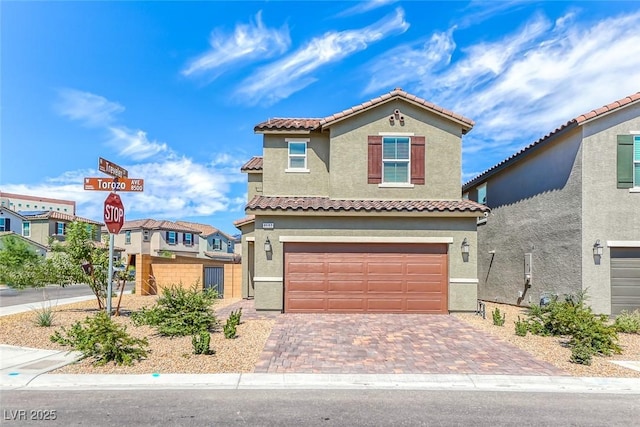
(20, 264)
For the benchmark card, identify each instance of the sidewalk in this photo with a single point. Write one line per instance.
(27, 369)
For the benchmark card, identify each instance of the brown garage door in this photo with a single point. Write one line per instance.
(384, 278)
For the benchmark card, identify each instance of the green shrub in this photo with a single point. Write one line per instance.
(201, 342)
(628, 322)
(521, 327)
(100, 338)
(235, 316)
(229, 329)
(44, 315)
(498, 318)
(180, 312)
(589, 332)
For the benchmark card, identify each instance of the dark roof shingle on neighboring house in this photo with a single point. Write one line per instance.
(571, 124)
(255, 164)
(311, 124)
(55, 215)
(326, 204)
(152, 224)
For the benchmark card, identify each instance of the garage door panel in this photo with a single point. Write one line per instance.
(305, 267)
(359, 278)
(346, 304)
(345, 285)
(385, 286)
(625, 279)
(337, 267)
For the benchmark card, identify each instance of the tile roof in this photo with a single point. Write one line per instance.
(152, 224)
(242, 221)
(327, 204)
(59, 216)
(571, 124)
(309, 124)
(255, 164)
(204, 229)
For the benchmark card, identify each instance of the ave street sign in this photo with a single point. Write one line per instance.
(111, 168)
(114, 184)
(113, 213)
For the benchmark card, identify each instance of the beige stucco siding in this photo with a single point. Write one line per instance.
(254, 185)
(609, 213)
(269, 266)
(278, 182)
(349, 151)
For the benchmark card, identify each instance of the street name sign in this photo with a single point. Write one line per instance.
(114, 184)
(111, 168)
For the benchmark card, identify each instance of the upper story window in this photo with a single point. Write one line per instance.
(26, 229)
(127, 237)
(297, 156)
(628, 162)
(188, 239)
(217, 244)
(145, 235)
(482, 194)
(5, 224)
(171, 237)
(395, 159)
(60, 228)
(465, 196)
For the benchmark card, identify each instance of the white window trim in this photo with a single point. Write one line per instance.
(396, 184)
(634, 162)
(127, 237)
(175, 238)
(29, 225)
(305, 156)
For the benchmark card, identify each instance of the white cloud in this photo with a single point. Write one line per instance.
(365, 6)
(135, 144)
(526, 83)
(248, 42)
(92, 110)
(290, 74)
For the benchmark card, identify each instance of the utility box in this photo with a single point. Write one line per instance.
(527, 269)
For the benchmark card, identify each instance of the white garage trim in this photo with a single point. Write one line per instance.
(267, 279)
(464, 281)
(623, 243)
(250, 239)
(363, 239)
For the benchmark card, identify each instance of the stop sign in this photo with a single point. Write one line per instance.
(113, 213)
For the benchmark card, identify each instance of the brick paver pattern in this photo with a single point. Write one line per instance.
(390, 344)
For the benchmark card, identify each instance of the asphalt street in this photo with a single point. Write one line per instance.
(316, 408)
(9, 296)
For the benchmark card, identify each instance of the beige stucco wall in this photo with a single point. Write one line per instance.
(349, 152)
(40, 232)
(609, 213)
(254, 185)
(276, 181)
(269, 267)
(247, 259)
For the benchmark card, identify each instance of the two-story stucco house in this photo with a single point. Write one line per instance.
(565, 214)
(213, 243)
(40, 226)
(361, 211)
(155, 237)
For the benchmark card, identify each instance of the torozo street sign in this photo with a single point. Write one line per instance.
(114, 184)
(113, 213)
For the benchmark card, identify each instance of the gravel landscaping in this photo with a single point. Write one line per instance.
(175, 355)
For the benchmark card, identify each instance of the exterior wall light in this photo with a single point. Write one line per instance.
(465, 246)
(267, 245)
(597, 249)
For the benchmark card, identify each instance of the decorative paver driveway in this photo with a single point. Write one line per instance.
(391, 344)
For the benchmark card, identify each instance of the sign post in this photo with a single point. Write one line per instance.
(113, 219)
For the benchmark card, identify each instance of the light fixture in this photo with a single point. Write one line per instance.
(597, 248)
(267, 245)
(465, 246)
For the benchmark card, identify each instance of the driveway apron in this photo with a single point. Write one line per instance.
(390, 344)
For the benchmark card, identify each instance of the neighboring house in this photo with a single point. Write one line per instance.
(37, 247)
(11, 221)
(361, 212)
(565, 214)
(213, 243)
(19, 202)
(153, 237)
(44, 225)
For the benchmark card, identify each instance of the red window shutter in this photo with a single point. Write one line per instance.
(375, 160)
(417, 159)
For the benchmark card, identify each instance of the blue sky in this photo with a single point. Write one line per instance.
(172, 90)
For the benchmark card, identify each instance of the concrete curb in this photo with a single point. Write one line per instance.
(538, 384)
